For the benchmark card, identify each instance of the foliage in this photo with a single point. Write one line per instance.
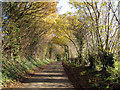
(17, 70)
(87, 38)
(24, 37)
(58, 56)
(95, 37)
(94, 31)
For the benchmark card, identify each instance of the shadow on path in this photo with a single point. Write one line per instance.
(52, 77)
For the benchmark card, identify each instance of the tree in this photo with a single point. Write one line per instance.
(22, 25)
(98, 32)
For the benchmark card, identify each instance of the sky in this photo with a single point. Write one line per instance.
(64, 7)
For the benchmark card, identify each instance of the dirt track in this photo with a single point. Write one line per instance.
(52, 76)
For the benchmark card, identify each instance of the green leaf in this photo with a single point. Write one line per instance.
(107, 86)
(89, 81)
(97, 75)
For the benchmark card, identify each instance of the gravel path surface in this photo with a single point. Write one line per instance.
(52, 76)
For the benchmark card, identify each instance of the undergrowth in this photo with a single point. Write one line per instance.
(13, 71)
(86, 78)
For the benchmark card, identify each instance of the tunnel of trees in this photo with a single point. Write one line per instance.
(34, 33)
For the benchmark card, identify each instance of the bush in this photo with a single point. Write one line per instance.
(107, 60)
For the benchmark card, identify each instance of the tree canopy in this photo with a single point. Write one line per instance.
(87, 37)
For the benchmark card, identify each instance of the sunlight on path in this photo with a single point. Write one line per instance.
(52, 76)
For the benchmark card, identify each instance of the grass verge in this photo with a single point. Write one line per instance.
(14, 72)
